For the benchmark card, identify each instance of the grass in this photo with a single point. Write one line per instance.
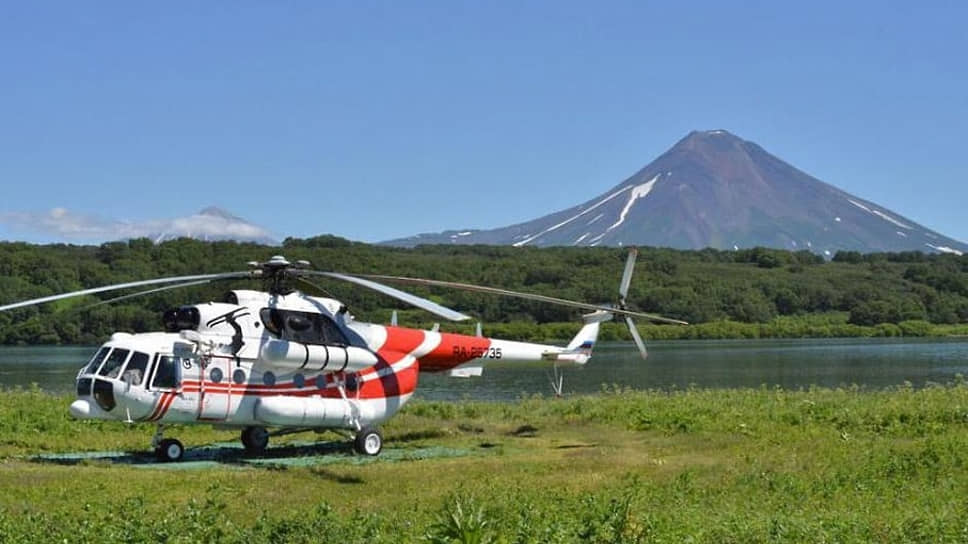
(747, 465)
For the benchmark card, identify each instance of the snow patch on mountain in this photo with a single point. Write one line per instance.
(946, 249)
(639, 191)
(886, 217)
(881, 214)
(570, 219)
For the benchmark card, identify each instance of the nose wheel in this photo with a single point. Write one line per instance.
(167, 450)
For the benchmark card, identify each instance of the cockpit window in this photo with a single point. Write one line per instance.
(135, 371)
(304, 327)
(112, 366)
(97, 360)
(166, 373)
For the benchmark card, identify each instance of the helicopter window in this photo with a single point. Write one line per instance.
(329, 331)
(304, 327)
(297, 323)
(97, 360)
(84, 386)
(299, 380)
(269, 378)
(135, 371)
(216, 375)
(112, 366)
(272, 319)
(238, 376)
(166, 373)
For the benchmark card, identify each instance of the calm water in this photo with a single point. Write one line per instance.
(736, 363)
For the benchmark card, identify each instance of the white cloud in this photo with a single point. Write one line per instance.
(61, 223)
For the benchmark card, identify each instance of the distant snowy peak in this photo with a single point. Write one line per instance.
(212, 224)
(209, 224)
(713, 189)
(213, 211)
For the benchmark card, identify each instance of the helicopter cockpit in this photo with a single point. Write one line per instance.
(125, 363)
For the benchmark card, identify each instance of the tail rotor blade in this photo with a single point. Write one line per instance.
(635, 336)
(623, 288)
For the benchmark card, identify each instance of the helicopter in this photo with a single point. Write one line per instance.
(280, 359)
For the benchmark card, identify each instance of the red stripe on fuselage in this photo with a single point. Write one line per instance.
(165, 404)
(401, 341)
(160, 406)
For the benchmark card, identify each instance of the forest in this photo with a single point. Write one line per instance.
(755, 292)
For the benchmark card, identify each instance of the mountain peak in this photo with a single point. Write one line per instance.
(711, 140)
(213, 223)
(215, 211)
(719, 132)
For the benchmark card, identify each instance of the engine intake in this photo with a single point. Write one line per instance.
(181, 319)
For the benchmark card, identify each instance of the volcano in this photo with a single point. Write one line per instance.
(714, 189)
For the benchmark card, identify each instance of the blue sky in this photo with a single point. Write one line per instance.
(375, 120)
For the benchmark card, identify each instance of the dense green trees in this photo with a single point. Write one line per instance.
(769, 290)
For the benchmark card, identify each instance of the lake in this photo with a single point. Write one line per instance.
(791, 364)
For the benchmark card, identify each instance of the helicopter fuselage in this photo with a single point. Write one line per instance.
(282, 361)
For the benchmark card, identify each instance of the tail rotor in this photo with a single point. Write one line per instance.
(623, 291)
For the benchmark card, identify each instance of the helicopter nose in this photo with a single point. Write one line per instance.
(81, 409)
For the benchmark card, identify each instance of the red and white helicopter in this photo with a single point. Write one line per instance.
(281, 359)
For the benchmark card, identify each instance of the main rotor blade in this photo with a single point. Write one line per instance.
(143, 293)
(318, 288)
(635, 336)
(623, 288)
(518, 294)
(128, 285)
(413, 300)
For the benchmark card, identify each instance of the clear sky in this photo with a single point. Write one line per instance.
(376, 120)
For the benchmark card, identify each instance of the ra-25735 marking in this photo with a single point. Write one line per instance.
(476, 352)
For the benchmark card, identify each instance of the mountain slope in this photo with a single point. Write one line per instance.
(713, 189)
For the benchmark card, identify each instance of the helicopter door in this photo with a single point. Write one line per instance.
(215, 397)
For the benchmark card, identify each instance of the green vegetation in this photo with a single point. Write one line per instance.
(751, 465)
(747, 293)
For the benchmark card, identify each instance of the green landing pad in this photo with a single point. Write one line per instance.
(231, 455)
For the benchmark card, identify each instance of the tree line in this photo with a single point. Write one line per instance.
(759, 288)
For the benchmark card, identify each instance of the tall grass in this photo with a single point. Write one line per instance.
(744, 465)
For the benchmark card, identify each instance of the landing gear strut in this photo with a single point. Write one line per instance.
(255, 439)
(167, 450)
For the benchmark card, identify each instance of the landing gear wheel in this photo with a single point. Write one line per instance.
(255, 439)
(169, 450)
(368, 441)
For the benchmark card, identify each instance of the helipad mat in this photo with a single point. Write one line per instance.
(231, 455)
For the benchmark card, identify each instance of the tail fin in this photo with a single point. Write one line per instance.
(579, 350)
